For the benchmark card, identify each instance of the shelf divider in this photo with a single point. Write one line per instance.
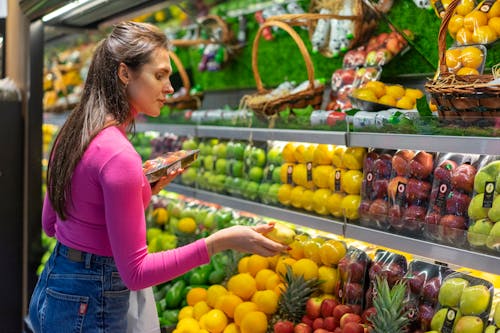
(433, 251)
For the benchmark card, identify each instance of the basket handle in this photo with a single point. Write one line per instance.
(182, 71)
(296, 38)
(443, 29)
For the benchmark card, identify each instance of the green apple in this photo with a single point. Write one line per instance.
(490, 329)
(273, 193)
(488, 173)
(230, 149)
(274, 156)
(439, 318)
(218, 182)
(251, 190)
(276, 174)
(220, 166)
(189, 144)
(493, 240)
(451, 291)
(152, 233)
(255, 174)
(238, 151)
(220, 150)
(263, 192)
(474, 300)
(496, 315)
(236, 167)
(188, 177)
(469, 324)
(258, 157)
(208, 163)
(478, 232)
(476, 210)
(494, 212)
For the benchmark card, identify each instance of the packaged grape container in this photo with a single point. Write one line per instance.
(353, 272)
(484, 209)
(388, 265)
(446, 220)
(423, 282)
(464, 304)
(374, 205)
(409, 191)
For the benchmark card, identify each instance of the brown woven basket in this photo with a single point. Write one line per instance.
(187, 101)
(210, 22)
(365, 19)
(310, 96)
(461, 97)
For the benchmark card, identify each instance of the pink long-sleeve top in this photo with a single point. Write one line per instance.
(105, 214)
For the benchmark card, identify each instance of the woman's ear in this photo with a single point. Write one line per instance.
(123, 73)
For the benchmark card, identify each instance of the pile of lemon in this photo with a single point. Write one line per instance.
(390, 95)
(470, 25)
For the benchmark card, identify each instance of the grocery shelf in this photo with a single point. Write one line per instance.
(188, 130)
(436, 143)
(441, 253)
(299, 218)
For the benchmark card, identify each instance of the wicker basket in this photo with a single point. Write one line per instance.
(188, 101)
(365, 19)
(312, 95)
(210, 23)
(461, 97)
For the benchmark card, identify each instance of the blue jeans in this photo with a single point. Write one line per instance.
(79, 292)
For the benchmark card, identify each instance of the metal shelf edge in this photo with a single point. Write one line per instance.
(434, 251)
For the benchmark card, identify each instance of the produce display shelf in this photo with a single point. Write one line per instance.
(188, 130)
(438, 252)
(436, 143)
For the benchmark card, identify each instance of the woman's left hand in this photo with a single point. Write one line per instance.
(164, 181)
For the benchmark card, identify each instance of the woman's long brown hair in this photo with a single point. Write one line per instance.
(103, 95)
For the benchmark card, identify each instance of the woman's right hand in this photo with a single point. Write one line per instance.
(245, 239)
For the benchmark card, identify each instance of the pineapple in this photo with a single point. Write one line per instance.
(389, 303)
(291, 305)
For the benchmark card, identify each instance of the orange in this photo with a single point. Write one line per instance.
(196, 295)
(215, 321)
(465, 7)
(463, 36)
(387, 100)
(331, 252)
(254, 322)
(494, 24)
(456, 22)
(330, 278)
(243, 265)
(243, 285)
(262, 277)
(228, 303)
(471, 57)
(453, 58)
(214, 292)
(405, 102)
(256, 263)
(377, 87)
(494, 10)
(484, 35)
(266, 300)
(242, 309)
(305, 267)
(467, 71)
(395, 91)
(474, 20)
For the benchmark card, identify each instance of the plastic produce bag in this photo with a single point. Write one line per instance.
(142, 316)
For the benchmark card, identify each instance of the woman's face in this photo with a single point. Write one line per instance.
(148, 87)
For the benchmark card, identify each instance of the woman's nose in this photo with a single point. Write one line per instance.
(167, 88)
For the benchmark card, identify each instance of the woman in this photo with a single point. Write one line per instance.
(97, 195)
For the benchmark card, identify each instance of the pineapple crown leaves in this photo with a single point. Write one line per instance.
(389, 303)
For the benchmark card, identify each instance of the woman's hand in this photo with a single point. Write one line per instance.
(245, 239)
(164, 181)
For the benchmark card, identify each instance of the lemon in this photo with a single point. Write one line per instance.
(299, 153)
(200, 308)
(406, 103)
(186, 312)
(456, 22)
(387, 100)
(188, 325)
(463, 36)
(307, 200)
(311, 251)
(296, 250)
(187, 225)
(338, 153)
(395, 91)
(266, 300)
(227, 303)
(242, 309)
(330, 278)
(282, 264)
(494, 23)
(286, 172)
(261, 278)
(288, 153)
(214, 292)
(215, 321)
(299, 175)
(331, 251)
(321, 174)
(196, 295)
(350, 205)
(272, 282)
(254, 322)
(475, 19)
(414, 94)
(160, 216)
(323, 154)
(243, 265)
(334, 204)
(377, 87)
(484, 35)
(296, 196)
(256, 263)
(284, 194)
(467, 71)
(365, 94)
(243, 285)
(231, 328)
(319, 200)
(351, 181)
(306, 267)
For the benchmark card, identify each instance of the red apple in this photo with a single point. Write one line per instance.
(379, 188)
(306, 320)
(457, 203)
(369, 298)
(317, 323)
(338, 330)
(375, 270)
(379, 208)
(433, 217)
(421, 165)
(382, 168)
(283, 326)
(414, 217)
(353, 328)
(400, 161)
(430, 290)
(364, 208)
(340, 310)
(371, 311)
(416, 282)
(313, 307)
(452, 228)
(425, 314)
(462, 178)
(353, 292)
(343, 267)
(330, 323)
(395, 217)
(370, 159)
(357, 271)
(327, 307)
(349, 318)
(443, 172)
(302, 328)
(392, 188)
(320, 330)
(417, 190)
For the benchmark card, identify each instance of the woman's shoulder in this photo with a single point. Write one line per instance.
(110, 143)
